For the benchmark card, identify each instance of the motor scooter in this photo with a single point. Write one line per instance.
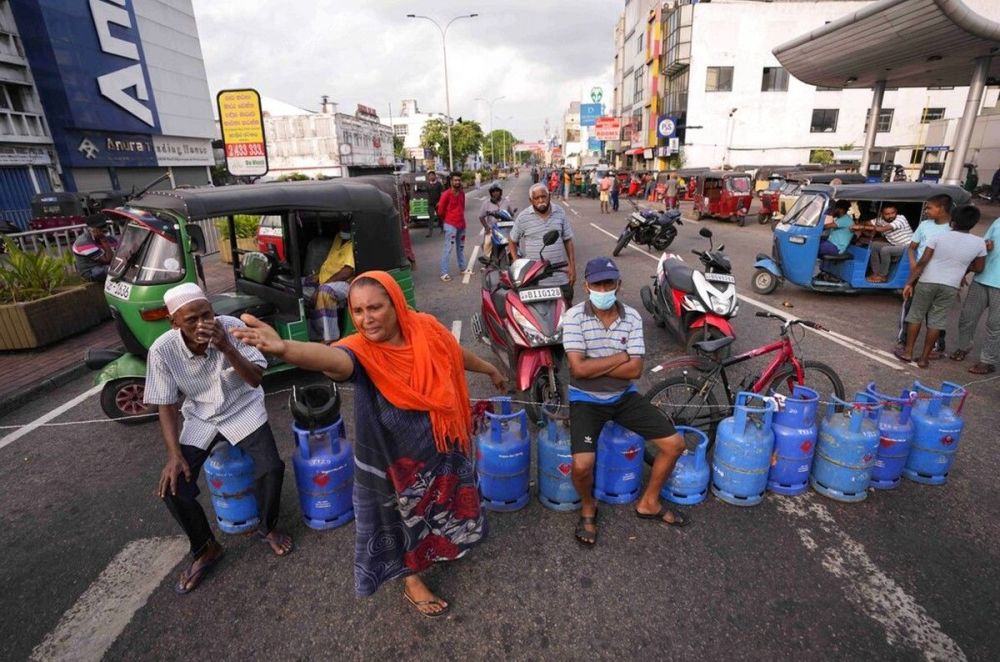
(694, 306)
(521, 322)
(656, 229)
(499, 231)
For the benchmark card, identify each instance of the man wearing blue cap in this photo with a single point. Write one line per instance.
(604, 347)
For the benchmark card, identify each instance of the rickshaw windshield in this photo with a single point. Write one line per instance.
(145, 257)
(739, 184)
(807, 211)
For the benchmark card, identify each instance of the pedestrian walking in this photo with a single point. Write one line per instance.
(567, 180)
(434, 190)
(451, 211)
(671, 191)
(983, 296)
(605, 193)
(616, 190)
(479, 179)
(937, 211)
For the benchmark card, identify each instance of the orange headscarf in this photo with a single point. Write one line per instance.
(426, 373)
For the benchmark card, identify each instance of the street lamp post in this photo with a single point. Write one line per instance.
(447, 97)
(505, 134)
(493, 151)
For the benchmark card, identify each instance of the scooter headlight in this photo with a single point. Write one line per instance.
(528, 329)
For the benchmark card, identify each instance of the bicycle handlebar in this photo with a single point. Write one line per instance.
(787, 323)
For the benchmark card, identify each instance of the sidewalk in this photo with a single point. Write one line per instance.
(29, 374)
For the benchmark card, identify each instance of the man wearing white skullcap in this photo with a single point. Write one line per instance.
(220, 378)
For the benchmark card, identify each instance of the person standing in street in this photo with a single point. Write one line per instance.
(983, 296)
(451, 211)
(671, 192)
(434, 190)
(530, 227)
(604, 348)
(567, 180)
(937, 211)
(94, 249)
(605, 193)
(219, 377)
(616, 190)
(479, 179)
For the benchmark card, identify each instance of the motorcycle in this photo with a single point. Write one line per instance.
(656, 229)
(499, 256)
(521, 322)
(694, 305)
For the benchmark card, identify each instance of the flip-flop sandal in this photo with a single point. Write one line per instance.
(189, 580)
(678, 519)
(283, 538)
(923, 364)
(582, 535)
(935, 355)
(958, 355)
(982, 369)
(898, 353)
(417, 604)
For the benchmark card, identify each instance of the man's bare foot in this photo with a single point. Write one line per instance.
(280, 543)
(422, 598)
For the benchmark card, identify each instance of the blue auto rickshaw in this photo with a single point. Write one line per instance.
(795, 251)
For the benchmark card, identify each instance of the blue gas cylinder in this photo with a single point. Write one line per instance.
(555, 468)
(848, 445)
(742, 455)
(618, 474)
(231, 484)
(895, 429)
(795, 431)
(324, 474)
(688, 482)
(503, 454)
(937, 429)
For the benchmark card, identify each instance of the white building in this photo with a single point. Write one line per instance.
(572, 139)
(632, 84)
(409, 125)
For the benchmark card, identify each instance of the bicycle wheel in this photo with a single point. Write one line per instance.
(686, 400)
(818, 376)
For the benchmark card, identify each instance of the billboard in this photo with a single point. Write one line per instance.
(607, 128)
(242, 125)
(593, 144)
(589, 112)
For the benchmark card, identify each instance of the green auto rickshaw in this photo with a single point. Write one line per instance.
(162, 246)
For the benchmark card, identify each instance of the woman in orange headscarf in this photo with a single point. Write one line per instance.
(415, 495)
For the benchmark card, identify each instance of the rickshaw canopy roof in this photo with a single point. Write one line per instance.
(721, 174)
(892, 191)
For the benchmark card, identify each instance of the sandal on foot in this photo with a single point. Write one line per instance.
(281, 539)
(923, 364)
(583, 536)
(958, 355)
(191, 578)
(419, 605)
(982, 369)
(677, 519)
(898, 353)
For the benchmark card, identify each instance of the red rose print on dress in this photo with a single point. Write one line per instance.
(466, 504)
(403, 472)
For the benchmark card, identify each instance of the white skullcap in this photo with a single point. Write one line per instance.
(183, 294)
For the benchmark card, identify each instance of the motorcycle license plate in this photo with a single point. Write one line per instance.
(721, 278)
(541, 294)
(118, 289)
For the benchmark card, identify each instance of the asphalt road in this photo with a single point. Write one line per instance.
(90, 555)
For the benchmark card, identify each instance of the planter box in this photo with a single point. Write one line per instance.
(225, 251)
(37, 323)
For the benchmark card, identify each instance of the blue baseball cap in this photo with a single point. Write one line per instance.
(601, 268)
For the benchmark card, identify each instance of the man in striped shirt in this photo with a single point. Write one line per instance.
(898, 234)
(604, 348)
(220, 378)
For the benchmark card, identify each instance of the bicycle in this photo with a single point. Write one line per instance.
(690, 395)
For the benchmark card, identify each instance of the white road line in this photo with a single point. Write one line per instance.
(42, 420)
(456, 330)
(88, 629)
(467, 274)
(832, 336)
(574, 211)
(906, 623)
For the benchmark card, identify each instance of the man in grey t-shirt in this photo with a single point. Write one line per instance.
(529, 228)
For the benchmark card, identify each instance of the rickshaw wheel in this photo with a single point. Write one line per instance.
(764, 282)
(121, 400)
(763, 219)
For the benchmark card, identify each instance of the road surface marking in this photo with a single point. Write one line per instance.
(832, 336)
(88, 629)
(467, 274)
(456, 330)
(42, 420)
(875, 593)
(575, 212)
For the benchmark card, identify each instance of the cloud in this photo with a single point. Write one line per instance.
(539, 54)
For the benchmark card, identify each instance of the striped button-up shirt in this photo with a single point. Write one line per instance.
(528, 230)
(583, 332)
(217, 400)
(898, 232)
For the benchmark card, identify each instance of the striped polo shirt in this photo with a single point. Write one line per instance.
(216, 399)
(528, 230)
(583, 332)
(900, 234)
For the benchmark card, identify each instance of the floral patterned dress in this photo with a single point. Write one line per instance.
(413, 506)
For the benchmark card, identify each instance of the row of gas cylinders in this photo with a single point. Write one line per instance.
(779, 444)
(323, 461)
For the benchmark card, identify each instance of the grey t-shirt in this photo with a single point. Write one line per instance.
(953, 252)
(528, 230)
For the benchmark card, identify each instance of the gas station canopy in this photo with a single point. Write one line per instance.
(906, 43)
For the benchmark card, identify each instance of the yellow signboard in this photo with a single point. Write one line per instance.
(242, 124)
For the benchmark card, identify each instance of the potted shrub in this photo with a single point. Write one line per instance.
(41, 301)
(246, 235)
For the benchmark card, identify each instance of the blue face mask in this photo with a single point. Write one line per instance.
(602, 300)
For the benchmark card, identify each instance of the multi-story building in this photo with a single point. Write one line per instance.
(632, 82)
(573, 142)
(715, 74)
(409, 126)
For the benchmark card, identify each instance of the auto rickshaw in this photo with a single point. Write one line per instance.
(57, 209)
(420, 211)
(723, 195)
(795, 181)
(162, 246)
(797, 236)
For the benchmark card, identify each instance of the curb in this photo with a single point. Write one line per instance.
(12, 401)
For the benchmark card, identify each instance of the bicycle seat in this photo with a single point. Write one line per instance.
(709, 346)
(679, 276)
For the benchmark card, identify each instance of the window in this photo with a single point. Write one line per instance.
(884, 120)
(400, 130)
(640, 74)
(824, 120)
(638, 44)
(931, 114)
(719, 79)
(775, 79)
(916, 157)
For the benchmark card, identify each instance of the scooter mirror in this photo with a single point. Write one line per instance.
(705, 232)
(550, 237)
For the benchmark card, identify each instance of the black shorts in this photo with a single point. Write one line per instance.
(633, 412)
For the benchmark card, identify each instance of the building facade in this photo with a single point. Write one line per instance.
(409, 126)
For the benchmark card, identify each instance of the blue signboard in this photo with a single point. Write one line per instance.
(666, 126)
(593, 144)
(589, 112)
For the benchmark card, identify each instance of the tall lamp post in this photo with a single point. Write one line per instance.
(447, 97)
(505, 134)
(493, 151)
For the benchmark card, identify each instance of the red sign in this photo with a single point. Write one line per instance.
(366, 111)
(608, 128)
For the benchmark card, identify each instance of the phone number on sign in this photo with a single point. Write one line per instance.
(245, 149)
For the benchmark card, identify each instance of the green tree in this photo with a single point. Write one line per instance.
(468, 136)
(397, 147)
(294, 177)
(500, 140)
(823, 156)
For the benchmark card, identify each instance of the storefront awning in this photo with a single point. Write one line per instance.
(634, 152)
